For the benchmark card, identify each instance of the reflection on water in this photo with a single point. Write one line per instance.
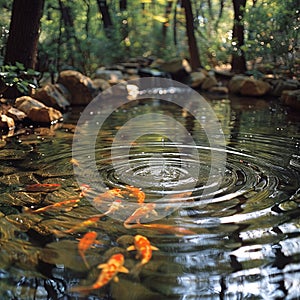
(244, 240)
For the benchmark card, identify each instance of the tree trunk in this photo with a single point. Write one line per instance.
(123, 5)
(166, 24)
(107, 22)
(193, 48)
(238, 63)
(23, 37)
(24, 32)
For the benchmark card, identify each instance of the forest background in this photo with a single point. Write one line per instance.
(87, 34)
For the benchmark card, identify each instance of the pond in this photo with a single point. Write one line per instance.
(224, 213)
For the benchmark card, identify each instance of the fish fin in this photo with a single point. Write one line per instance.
(116, 279)
(130, 248)
(27, 210)
(154, 212)
(123, 270)
(154, 248)
(101, 266)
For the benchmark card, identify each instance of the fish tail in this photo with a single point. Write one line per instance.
(136, 270)
(81, 289)
(85, 261)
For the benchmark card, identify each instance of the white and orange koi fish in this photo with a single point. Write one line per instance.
(116, 205)
(143, 211)
(165, 228)
(109, 272)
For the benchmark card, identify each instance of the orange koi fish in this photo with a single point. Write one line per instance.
(42, 187)
(109, 272)
(85, 243)
(68, 204)
(144, 249)
(116, 205)
(86, 223)
(109, 195)
(136, 192)
(165, 228)
(143, 211)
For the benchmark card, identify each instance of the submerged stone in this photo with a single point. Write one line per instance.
(125, 289)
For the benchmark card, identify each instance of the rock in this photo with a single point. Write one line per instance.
(37, 111)
(283, 85)
(26, 103)
(219, 90)
(44, 115)
(178, 68)
(254, 87)
(80, 86)
(7, 122)
(16, 114)
(112, 76)
(291, 98)
(64, 91)
(197, 79)
(236, 83)
(51, 96)
(209, 82)
(248, 86)
(126, 289)
(150, 72)
(100, 84)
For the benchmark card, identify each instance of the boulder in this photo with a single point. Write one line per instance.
(209, 82)
(37, 111)
(179, 69)
(254, 87)
(248, 86)
(51, 96)
(26, 103)
(7, 122)
(80, 86)
(44, 115)
(236, 83)
(112, 76)
(284, 85)
(64, 91)
(219, 90)
(100, 85)
(197, 79)
(291, 98)
(16, 114)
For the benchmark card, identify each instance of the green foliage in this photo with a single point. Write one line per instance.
(271, 33)
(16, 75)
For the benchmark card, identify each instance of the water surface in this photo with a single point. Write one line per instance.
(242, 239)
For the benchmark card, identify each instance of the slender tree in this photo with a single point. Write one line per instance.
(193, 48)
(238, 63)
(106, 18)
(165, 24)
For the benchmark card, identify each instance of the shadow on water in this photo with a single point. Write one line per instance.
(240, 241)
